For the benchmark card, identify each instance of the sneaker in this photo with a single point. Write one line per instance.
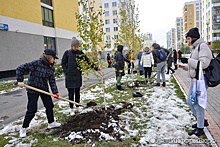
(78, 110)
(164, 84)
(53, 125)
(22, 132)
(205, 124)
(72, 112)
(198, 132)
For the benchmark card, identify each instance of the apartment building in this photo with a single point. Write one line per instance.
(178, 33)
(30, 26)
(168, 37)
(211, 20)
(111, 19)
(192, 16)
(148, 40)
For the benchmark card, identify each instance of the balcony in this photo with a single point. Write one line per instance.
(215, 1)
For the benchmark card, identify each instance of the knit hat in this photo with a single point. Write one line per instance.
(51, 52)
(193, 32)
(74, 42)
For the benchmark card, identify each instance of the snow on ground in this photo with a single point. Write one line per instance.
(160, 118)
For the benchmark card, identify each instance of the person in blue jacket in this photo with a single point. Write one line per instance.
(41, 72)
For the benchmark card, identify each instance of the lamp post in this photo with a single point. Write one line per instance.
(207, 26)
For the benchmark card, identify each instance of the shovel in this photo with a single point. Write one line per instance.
(50, 94)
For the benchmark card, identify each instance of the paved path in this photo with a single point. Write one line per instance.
(213, 106)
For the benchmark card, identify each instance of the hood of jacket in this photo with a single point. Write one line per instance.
(120, 48)
(197, 42)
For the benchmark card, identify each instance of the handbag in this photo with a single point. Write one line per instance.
(201, 92)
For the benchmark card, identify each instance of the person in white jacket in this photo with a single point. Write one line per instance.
(147, 62)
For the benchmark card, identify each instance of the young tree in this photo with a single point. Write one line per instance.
(90, 28)
(129, 33)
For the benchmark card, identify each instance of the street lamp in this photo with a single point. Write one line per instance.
(207, 25)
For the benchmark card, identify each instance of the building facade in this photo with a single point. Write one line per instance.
(178, 33)
(111, 21)
(192, 16)
(211, 20)
(31, 27)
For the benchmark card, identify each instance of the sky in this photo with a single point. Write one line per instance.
(158, 17)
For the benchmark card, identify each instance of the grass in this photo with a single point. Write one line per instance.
(44, 139)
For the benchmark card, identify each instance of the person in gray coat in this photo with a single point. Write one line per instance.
(202, 54)
(73, 71)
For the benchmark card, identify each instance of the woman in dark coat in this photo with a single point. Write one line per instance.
(73, 71)
(119, 64)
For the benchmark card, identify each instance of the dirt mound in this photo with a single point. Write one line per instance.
(99, 124)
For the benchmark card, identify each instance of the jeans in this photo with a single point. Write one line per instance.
(161, 70)
(198, 111)
(32, 108)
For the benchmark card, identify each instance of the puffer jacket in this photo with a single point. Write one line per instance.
(40, 73)
(147, 59)
(204, 55)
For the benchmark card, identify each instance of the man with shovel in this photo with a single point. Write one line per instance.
(41, 72)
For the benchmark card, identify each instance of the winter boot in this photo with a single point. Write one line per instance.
(158, 84)
(119, 87)
(205, 124)
(197, 132)
(164, 84)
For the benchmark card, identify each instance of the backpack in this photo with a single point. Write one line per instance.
(126, 56)
(161, 54)
(212, 72)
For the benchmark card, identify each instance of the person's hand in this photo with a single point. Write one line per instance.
(180, 66)
(20, 84)
(56, 96)
(99, 69)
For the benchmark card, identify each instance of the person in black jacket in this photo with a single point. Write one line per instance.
(119, 63)
(73, 72)
(41, 72)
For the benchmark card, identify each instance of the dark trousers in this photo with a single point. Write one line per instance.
(130, 67)
(32, 108)
(175, 64)
(147, 72)
(168, 69)
(74, 92)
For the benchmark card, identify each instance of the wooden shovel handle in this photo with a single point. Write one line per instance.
(50, 94)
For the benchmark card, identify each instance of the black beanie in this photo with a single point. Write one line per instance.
(193, 32)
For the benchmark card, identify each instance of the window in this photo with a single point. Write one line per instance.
(107, 29)
(115, 36)
(106, 5)
(115, 28)
(108, 37)
(115, 21)
(108, 45)
(217, 19)
(106, 13)
(114, 4)
(107, 21)
(114, 12)
(47, 17)
(49, 43)
(48, 2)
(122, 4)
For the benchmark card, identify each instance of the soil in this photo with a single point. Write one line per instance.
(89, 126)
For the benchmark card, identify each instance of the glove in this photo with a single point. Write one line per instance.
(184, 60)
(20, 84)
(56, 96)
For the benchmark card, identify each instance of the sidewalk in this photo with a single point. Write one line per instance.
(213, 106)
